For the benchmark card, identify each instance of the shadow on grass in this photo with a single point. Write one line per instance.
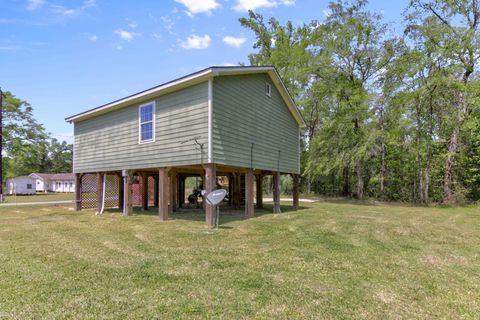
(227, 214)
(373, 202)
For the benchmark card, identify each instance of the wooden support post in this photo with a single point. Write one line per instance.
(163, 194)
(259, 182)
(249, 208)
(237, 190)
(127, 193)
(155, 191)
(171, 192)
(230, 190)
(100, 177)
(121, 190)
(78, 192)
(180, 200)
(295, 190)
(144, 191)
(182, 191)
(276, 192)
(209, 185)
(175, 193)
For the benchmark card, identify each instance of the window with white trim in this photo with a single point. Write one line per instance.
(268, 89)
(146, 114)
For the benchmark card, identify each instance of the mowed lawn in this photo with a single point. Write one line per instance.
(40, 197)
(328, 260)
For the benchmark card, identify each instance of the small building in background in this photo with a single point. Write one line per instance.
(42, 181)
(54, 182)
(21, 185)
(62, 182)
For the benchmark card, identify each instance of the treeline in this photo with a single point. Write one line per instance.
(389, 116)
(27, 146)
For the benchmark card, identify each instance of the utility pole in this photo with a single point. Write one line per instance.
(1, 145)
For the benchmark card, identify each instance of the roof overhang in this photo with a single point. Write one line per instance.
(189, 80)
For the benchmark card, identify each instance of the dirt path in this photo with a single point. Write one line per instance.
(286, 200)
(34, 203)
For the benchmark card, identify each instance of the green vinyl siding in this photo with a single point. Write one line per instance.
(242, 114)
(110, 141)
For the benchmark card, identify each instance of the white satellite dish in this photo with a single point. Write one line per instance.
(214, 198)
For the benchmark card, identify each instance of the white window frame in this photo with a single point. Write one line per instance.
(268, 89)
(140, 141)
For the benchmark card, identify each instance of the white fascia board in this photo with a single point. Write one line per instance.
(198, 77)
(210, 120)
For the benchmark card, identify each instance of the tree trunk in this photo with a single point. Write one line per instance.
(420, 172)
(463, 109)
(346, 182)
(360, 184)
(382, 173)
(382, 150)
(420, 184)
(427, 185)
(448, 195)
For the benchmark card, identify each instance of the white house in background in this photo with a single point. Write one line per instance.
(42, 181)
(63, 182)
(21, 185)
(54, 182)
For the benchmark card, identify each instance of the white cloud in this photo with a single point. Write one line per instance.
(245, 5)
(198, 6)
(236, 42)
(9, 48)
(125, 35)
(93, 38)
(34, 4)
(196, 42)
(168, 24)
(64, 136)
(132, 24)
(74, 11)
(118, 47)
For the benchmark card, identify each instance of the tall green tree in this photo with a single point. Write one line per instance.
(28, 147)
(61, 156)
(390, 118)
(21, 131)
(450, 28)
(358, 52)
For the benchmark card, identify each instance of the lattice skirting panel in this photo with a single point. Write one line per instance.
(112, 191)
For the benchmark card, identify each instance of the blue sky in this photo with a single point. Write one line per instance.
(65, 57)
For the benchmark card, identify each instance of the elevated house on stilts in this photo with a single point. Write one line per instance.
(237, 122)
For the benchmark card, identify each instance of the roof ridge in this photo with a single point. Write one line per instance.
(189, 80)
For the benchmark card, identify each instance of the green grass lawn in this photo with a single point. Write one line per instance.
(39, 197)
(328, 260)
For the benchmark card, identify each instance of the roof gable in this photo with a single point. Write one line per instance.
(189, 80)
(41, 176)
(63, 176)
(52, 176)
